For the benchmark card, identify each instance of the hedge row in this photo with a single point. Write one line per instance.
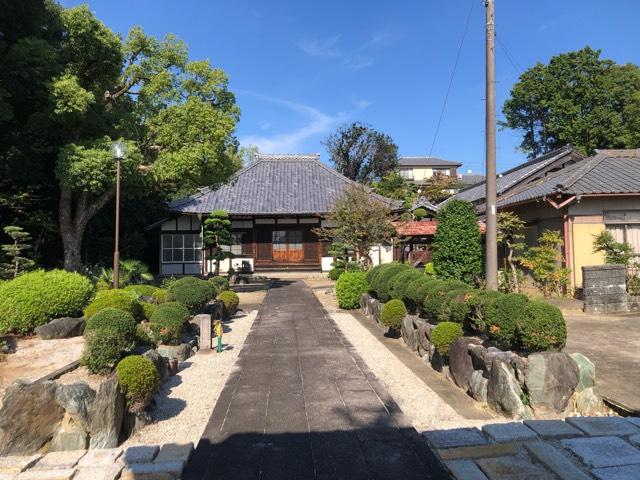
(512, 320)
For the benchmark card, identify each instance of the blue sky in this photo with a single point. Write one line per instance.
(301, 68)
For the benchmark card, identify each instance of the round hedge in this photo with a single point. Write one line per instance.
(120, 299)
(392, 314)
(436, 295)
(35, 298)
(230, 300)
(417, 289)
(139, 380)
(334, 273)
(141, 290)
(444, 334)
(349, 289)
(372, 273)
(160, 295)
(221, 283)
(398, 284)
(453, 307)
(192, 292)
(542, 327)
(504, 316)
(383, 281)
(148, 309)
(109, 335)
(376, 273)
(167, 322)
(478, 302)
(419, 213)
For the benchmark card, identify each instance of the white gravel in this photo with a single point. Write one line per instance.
(186, 400)
(425, 409)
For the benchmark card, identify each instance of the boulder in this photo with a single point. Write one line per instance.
(71, 436)
(375, 307)
(588, 402)
(406, 329)
(76, 400)
(478, 385)
(478, 354)
(504, 394)
(29, 417)
(364, 303)
(550, 380)
(181, 352)
(493, 353)
(106, 415)
(460, 364)
(424, 335)
(586, 372)
(134, 422)
(65, 327)
(519, 366)
(148, 299)
(159, 362)
(437, 362)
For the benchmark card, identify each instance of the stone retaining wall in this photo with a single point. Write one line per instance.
(604, 289)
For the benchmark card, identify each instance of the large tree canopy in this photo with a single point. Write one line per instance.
(576, 98)
(361, 153)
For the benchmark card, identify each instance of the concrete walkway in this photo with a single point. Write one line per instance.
(303, 405)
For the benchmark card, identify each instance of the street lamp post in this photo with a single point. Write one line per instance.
(118, 153)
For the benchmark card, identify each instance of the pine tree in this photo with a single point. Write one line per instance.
(17, 263)
(217, 236)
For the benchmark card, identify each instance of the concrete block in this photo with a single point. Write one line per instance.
(553, 429)
(175, 452)
(465, 470)
(102, 472)
(510, 468)
(509, 432)
(100, 457)
(555, 460)
(140, 454)
(627, 472)
(152, 471)
(17, 464)
(59, 460)
(478, 451)
(456, 437)
(600, 452)
(47, 474)
(603, 425)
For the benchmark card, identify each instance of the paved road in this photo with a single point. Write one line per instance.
(304, 406)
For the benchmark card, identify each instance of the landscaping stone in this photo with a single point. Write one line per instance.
(555, 460)
(16, 463)
(460, 364)
(76, 399)
(478, 386)
(494, 353)
(519, 366)
(424, 336)
(553, 429)
(152, 471)
(101, 457)
(437, 362)
(456, 437)
(107, 413)
(504, 394)
(478, 353)
(175, 452)
(159, 362)
(59, 460)
(511, 468)
(588, 401)
(364, 303)
(465, 470)
(550, 381)
(55, 474)
(25, 426)
(604, 425)
(409, 333)
(627, 472)
(65, 327)
(181, 352)
(586, 372)
(140, 454)
(509, 432)
(603, 451)
(71, 436)
(109, 472)
(478, 451)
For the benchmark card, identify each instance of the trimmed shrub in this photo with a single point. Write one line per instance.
(392, 314)
(167, 322)
(125, 301)
(350, 286)
(453, 307)
(504, 315)
(417, 289)
(109, 334)
(160, 295)
(443, 335)
(35, 298)
(141, 290)
(139, 380)
(398, 284)
(383, 281)
(437, 294)
(192, 292)
(419, 213)
(230, 300)
(148, 309)
(220, 283)
(376, 272)
(373, 272)
(335, 272)
(477, 303)
(542, 327)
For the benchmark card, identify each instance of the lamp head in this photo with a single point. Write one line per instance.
(118, 149)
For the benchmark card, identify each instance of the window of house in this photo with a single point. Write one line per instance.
(625, 226)
(406, 173)
(287, 240)
(181, 247)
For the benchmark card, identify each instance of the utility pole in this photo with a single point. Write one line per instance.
(491, 235)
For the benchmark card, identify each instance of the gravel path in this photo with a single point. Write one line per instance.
(422, 405)
(185, 401)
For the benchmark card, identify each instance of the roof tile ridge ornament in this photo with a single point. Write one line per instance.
(287, 157)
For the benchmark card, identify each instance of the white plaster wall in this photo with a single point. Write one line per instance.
(326, 263)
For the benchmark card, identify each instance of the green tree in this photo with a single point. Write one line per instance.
(361, 153)
(545, 262)
(511, 235)
(217, 236)
(392, 185)
(359, 220)
(576, 98)
(457, 245)
(437, 188)
(15, 251)
(620, 253)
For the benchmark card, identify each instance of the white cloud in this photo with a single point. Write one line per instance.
(321, 48)
(358, 63)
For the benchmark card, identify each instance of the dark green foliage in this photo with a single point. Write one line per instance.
(373, 272)
(334, 273)
(392, 314)
(542, 327)
(398, 284)
(477, 304)
(457, 245)
(349, 289)
(35, 298)
(383, 280)
(415, 292)
(15, 251)
(217, 237)
(444, 334)
(504, 315)
(191, 292)
(109, 334)
(148, 309)
(160, 295)
(230, 300)
(120, 299)
(141, 290)
(436, 296)
(139, 380)
(221, 283)
(454, 307)
(167, 322)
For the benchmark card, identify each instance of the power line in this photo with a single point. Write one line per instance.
(512, 59)
(453, 73)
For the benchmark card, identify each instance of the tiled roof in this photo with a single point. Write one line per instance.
(511, 178)
(471, 178)
(422, 202)
(424, 228)
(426, 162)
(274, 185)
(607, 172)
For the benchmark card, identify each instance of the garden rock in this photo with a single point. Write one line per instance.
(407, 328)
(25, 426)
(493, 353)
(424, 336)
(148, 299)
(159, 362)
(65, 327)
(519, 366)
(478, 354)
(551, 380)
(106, 414)
(478, 385)
(71, 436)
(504, 394)
(437, 362)
(588, 402)
(181, 352)
(364, 303)
(76, 399)
(587, 372)
(460, 363)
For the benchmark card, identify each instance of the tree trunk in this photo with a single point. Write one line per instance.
(514, 271)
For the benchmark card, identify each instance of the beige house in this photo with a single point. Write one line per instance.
(420, 169)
